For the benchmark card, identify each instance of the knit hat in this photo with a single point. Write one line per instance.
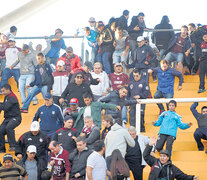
(7, 157)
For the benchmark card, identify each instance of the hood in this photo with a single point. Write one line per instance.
(115, 127)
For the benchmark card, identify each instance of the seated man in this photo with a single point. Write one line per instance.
(78, 159)
(201, 131)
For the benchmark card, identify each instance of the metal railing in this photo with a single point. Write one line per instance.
(153, 101)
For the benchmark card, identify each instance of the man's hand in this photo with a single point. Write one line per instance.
(125, 53)
(19, 156)
(195, 178)
(52, 162)
(179, 88)
(74, 138)
(77, 175)
(136, 97)
(187, 52)
(100, 42)
(61, 100)
(190, 124)
(153, 122)
(136, 28)
(118, 108)
(82, 134)
(99, 80)
(146, 62)
(152, 141)
(104, 93)
(27, 86)
(11, 67)
(150, 71)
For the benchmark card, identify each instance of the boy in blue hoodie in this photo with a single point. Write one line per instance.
(169, 122)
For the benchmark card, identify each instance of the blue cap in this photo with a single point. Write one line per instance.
(48, 96)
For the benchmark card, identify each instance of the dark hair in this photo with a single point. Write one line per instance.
(118, 165)
(192, 25)
(141, 14)
(165, 20)
(173, 102)
(164, 61)
(55, 143)
(40, 54)
(184, 26)
(136, 71)
(124, 87)
(204, 107)
(98, 145)
(120, 28)
(87, 95)
(87, 29)
(79, 73)
(108, 118)
(46, 175)
(118, 121)
(80, 138)
(6, 86)
(13, 29)
(126, 12)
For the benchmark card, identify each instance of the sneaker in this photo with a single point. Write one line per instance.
(35, 103)
(12, 149)
(201, 90)
(23, 111)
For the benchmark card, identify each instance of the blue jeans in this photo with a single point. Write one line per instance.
(104, 59)
(93, 55)
(124, 114)
(119, 57)
(34, 91)
(25, 79)
(200, 133)
(171, 56)
(159, 95)
(133, 47)
(51, 60)
(162, 51)
(7, 74)
(2, 65)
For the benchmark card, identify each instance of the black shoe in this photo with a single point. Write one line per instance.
(12, 149)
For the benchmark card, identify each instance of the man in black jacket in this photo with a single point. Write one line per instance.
(123, 20)
(78, 159)
(161, 167)
(12, 118)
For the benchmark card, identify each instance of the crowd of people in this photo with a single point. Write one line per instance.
(80, 130)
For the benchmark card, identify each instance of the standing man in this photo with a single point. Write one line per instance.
(12, 118)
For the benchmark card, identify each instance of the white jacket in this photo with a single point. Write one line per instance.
(11, 56)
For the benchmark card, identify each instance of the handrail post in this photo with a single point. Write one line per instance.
(138, 117)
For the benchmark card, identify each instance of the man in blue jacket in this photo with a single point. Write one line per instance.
(169, 122)
(166, 77)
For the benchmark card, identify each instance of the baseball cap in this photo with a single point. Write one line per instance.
(69, 49)
(48, 96)
(165, 152)
(58, 31)
(11, 39)
(91, 19)
(25, 47)
(35, 126)
(60, 63)
(140, 38)
(118, 64)
(100, 23)
(89, 65)
(7, 157)
(74, 101)
(32, 149)
(67, 118)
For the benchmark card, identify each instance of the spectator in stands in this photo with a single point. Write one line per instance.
(101, 88)
(57, 43)
(11, 54)
(92, 109)
(12, 118)
(105, 41)
(92, 23)
(72, 61)
(12, 33)
(76, 90)
(201, 131)
(28, 61)
(107, 122)
(3, 47)
(134, 156)
(91, 36)
(73, 107)
(59, 161)
(121, 44)
(60, 81)
(136, 29)
(67, 135)
(123, 20)
(42, 83)
(117, 166)
(160, 167)
(162, 38)
(37, 138)
(138, 89)
(166, 77)
(202, 64)
(179, 48)
(31, 163)
(169, 122)
(10, 170)
(90, 131)
(96, 164)
(78, 159)
(118, 138)
(50, 115)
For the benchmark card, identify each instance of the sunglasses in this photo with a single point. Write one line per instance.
(79, 77)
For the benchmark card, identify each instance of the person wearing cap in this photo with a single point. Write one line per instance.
(57, 43)
(43, 81)
(12, 33)
(32, 164)
(12, 118)
(73, 107)
(67, 134)
(105, 41)
(33, 137)
(72, 61)
(162, 165)
(11, 54)
(76, 89)
(10, 170)
(27, 60)
(50, 115)
(60, 81)
(92, 23)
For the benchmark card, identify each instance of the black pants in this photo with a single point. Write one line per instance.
(200, 133)
(7, 127)
(132, 116)
(162, 138)
(137, 170)
(56, 100)
(197, 55)
(202, 72)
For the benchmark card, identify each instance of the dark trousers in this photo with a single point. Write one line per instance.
(132, 116)
(200, 133)
(136, 169)
(7, 127)
(197, 55)
(56, 100)
(162, 138)
(202, 72)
